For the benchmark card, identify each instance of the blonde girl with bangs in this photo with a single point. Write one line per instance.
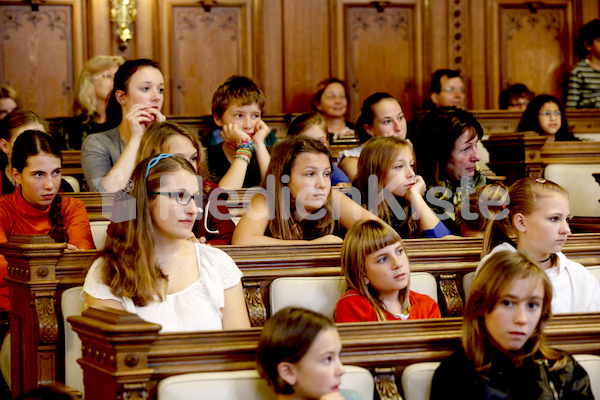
(391, 189)
(215, 225)
(297, 204)
(537, 222)
(503, 353)
(149, 267)
(377, 275)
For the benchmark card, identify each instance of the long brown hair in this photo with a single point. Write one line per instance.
(129, 268)
(155, 139)
(492, 282)
(524, 196)
(32, 143)
(365, 238)
(376, 159)
(285, 225)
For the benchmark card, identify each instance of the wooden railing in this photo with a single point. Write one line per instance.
(125, 357)
(40, 270)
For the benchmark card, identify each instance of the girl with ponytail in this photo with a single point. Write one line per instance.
(538, 224)
(35, 206)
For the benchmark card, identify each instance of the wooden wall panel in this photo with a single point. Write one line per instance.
(270, 67)
(288, 46)
(306, 51)
(207, 46)
(39, 54)
(383, 53)
(531, 45)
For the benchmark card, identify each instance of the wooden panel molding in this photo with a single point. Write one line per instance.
(378, 41)
(202, 44)
(530, 43)
(40, 52)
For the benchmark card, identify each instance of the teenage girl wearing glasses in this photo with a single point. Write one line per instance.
(546, 116)
(148, 267)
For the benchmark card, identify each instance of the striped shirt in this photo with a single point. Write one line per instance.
(583, 86)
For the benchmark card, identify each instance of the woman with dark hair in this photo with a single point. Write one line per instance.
(36, 207)
(11, 127)
(445, 146)
(331, 100)
(380, 115)
(546, 116)
(298, 204)
(108, 158)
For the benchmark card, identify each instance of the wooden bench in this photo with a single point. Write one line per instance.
(40, 270)
(125, 357)
(505, 121)
(520, 154)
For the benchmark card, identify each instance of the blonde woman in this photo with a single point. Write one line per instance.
(90, 99)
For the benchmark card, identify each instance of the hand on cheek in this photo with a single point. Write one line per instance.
(232, 134)
(261, 131)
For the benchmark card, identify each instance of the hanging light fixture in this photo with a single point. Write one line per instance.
(123, 13)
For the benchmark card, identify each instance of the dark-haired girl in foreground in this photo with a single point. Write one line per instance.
(504, 354)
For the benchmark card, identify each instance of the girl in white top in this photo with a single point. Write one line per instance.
(536, 222)
(150, 268)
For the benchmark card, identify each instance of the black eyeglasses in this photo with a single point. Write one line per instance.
(183, 197)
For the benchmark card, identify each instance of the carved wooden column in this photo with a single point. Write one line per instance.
(33, 322)
(255, 304)
(452, 304)
(115, 346)
(385, 384)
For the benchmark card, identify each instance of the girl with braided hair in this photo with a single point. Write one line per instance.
(35, 206)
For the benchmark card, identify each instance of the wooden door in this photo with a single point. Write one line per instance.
(380, 45)
(40, 50)
(201, 45)
(529, 43)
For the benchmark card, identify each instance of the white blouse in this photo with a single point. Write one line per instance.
(195, 308)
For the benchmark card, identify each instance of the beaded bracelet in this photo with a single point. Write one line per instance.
(244, 151)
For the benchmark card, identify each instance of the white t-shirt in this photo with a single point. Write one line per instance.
(195, 308)
(574, 288)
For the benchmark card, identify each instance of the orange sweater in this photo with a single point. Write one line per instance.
(19, 217)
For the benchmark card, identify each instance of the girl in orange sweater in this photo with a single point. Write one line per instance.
(35, 207)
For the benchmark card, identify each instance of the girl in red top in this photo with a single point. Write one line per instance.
(377, 275)
(35, 208)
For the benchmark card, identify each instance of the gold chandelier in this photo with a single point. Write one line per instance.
(123, 13)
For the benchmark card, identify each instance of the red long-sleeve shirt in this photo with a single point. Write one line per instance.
(19, 217)
(352, 307)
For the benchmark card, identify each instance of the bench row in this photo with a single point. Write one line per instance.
(125, 357)
(40, 270)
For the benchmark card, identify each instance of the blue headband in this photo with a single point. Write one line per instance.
(155, 161)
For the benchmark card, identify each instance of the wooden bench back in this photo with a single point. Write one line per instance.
(40, 270)
(123, 355)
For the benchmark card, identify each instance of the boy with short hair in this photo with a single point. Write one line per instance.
(584, 79)
(242, 159)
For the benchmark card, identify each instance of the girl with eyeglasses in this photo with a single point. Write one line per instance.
(546, 116)
(150, 268)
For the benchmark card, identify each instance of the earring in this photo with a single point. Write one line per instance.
(365, 280)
